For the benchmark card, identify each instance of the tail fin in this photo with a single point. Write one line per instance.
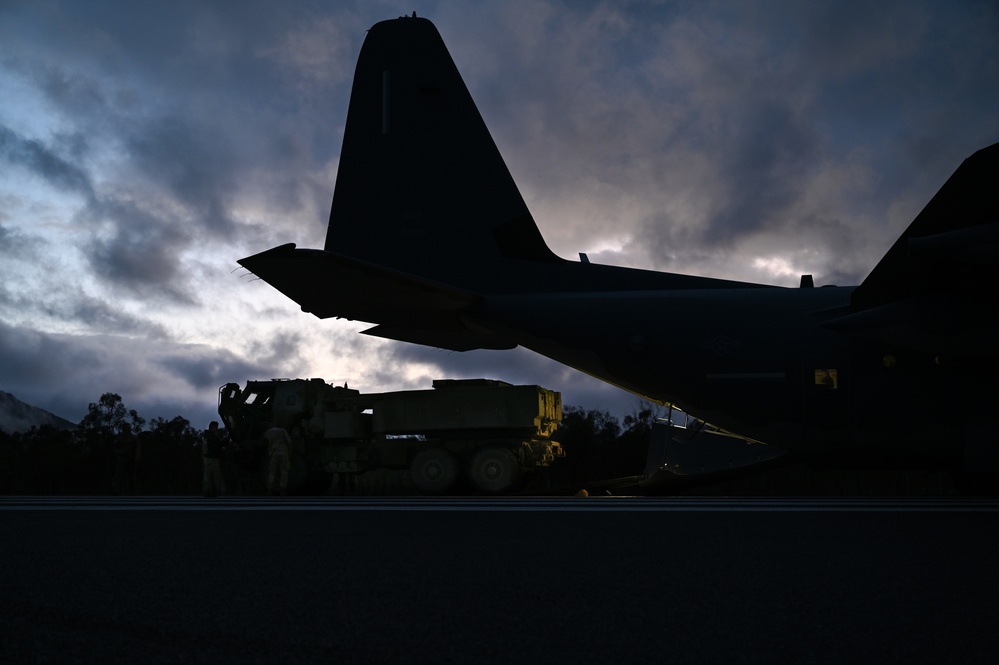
(421, 187)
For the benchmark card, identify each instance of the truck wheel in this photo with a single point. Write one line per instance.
(434, 470)
(494, 470)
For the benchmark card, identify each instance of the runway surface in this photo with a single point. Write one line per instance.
(583, 580)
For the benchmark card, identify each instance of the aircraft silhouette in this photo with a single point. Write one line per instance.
(430, 239)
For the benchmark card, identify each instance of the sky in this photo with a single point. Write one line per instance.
(145, 147)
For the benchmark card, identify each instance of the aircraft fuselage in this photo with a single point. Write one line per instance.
(753, 361)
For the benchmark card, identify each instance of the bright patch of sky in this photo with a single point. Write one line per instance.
(776, 267)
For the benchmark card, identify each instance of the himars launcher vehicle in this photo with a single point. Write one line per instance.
(438, 247)
(491, 432)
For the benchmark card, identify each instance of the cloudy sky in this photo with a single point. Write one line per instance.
(145, 147)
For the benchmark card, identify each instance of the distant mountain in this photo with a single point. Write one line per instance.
(16, 416)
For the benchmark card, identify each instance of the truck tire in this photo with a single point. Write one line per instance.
(434, 470)
(494, 470)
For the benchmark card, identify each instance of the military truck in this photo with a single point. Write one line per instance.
(489, 432)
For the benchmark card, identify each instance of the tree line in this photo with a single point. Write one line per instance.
(164, 457)
(114, 450)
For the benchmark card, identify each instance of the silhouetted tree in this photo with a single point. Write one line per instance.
(642, 418)
(177, 430)
(50, 462)
(10, 464)
(585, 435)
(632, 446)
(137, 421)
(596, 447)
(104, 419)
(590, 427)
(46, 460)
(171, 457)
(101, 429)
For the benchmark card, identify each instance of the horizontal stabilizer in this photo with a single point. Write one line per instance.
(326, 284)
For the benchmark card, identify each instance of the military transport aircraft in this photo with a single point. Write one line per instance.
(430, 240)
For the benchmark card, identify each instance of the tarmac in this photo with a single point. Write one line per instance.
(577, 580)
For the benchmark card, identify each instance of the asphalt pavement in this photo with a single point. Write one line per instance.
(498, 581)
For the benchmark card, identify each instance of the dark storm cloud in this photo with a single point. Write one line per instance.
(281, 352)
(785, 120)
(76, 306)
(73, 304)
(200, 104)
(44, 162)
(35, 362)
(144, 252)
(623, 99)
(143, 256)
(14, 243)
(77, 93)
(912, 80)
(206, 370)
(63, 373)
(761, 172)
(188, 157)
(99, 315)
(192, 161)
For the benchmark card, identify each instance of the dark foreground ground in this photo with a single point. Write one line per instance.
(498, 582)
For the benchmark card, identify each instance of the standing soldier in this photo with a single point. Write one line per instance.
(212, 483)
(279, 450)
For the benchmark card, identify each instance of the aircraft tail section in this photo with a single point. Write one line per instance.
(426, 220)
(421, 186)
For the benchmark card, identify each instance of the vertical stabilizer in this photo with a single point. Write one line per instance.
(421, 186)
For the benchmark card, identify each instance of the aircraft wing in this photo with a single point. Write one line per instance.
(952, 243)
(933, 291)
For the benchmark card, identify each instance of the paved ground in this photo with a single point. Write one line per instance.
(601, 581)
